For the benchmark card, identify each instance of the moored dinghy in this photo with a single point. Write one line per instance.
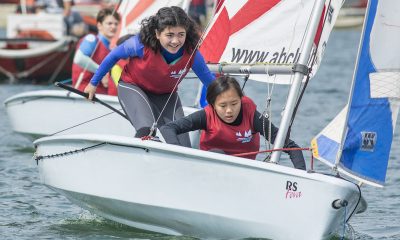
(176, 190)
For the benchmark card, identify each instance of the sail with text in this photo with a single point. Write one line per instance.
(266, 31)
(362, 148)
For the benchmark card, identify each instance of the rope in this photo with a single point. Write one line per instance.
(180, 76)
(302, 91)
(268, 115)
(79, 124)
(41, 157)
(38, 157)
(245, 80)
(268, 109)
(270, 150)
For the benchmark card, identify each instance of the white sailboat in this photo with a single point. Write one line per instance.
(71, 113)
(56, 112)
(182, 191)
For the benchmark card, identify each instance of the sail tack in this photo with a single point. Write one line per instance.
(374, 103)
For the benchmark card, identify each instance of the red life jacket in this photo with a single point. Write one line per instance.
(153, 74)
(99, 54)
(228, 138)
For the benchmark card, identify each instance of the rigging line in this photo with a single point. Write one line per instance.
(141, 95)
(180, 76)
(308, 75)
(79, 124)
(271, 150)
(187, 63)
(359, 196)
(173, 90)
(358, 201)
(41, 157)
(302, 91)
(302, 40)
(245, 80)
(294, 29)
(267, 113)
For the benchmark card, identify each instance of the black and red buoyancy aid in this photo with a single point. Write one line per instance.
(228, 138)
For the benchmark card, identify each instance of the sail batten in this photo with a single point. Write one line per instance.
(364, 150)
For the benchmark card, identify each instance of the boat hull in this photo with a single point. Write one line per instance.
(181, 191)
(46, 67)
(42, 113)
(47, 112)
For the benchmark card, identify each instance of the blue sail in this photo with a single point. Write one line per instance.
(369, 127)
(373, 105)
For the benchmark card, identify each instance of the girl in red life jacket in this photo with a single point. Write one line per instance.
(158, 59)
(230, 123)
(93, 49)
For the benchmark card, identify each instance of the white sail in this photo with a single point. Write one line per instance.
(269, 32)
(363, 148)
(134, 11)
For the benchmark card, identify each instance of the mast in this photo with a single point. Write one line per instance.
(298, 77)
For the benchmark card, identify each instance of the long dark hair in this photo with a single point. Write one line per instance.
(220, 85)
(164, 18)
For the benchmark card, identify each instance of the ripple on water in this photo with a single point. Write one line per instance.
(90, 226)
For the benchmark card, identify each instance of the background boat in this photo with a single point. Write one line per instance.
(36, 46)
(351, 14)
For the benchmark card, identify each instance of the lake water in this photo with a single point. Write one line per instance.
(29, 210)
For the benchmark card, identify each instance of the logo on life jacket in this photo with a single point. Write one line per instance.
(177, 75)
(246, 138)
